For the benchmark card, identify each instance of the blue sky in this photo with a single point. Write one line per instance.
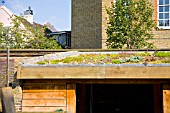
(57, 12)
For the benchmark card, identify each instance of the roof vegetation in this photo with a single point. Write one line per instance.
(120, 58)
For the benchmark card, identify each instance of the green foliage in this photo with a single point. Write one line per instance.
(43, 62)
(123, 58)
(72, 59)
(2, 36)
(55, 61)
(15, 36)
(59, 111)
(130, 24)
(68, 60)
(19, 36)
(144, 54)
(116, 61)
(162, 54)
(133, 59)
(165, 61)
(39, 41)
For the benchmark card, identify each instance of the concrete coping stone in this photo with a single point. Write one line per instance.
(58, 56)
(95, 65)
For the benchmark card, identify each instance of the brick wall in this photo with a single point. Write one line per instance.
(86, 24)
(89, 23)
(161, 37)
(161, 42)
(12, 79)
(17, 92)
(105, 4)
(3, 66)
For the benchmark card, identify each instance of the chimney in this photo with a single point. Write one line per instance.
(28, 15)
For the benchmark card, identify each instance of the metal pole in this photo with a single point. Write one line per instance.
(7, 72)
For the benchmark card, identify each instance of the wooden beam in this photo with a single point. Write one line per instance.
(71, 97)
(45, 95)
(157, 98)
(45, 87)
(119, 81)
(41, 109)
(97, 72)
(166, 98)
(45, 103)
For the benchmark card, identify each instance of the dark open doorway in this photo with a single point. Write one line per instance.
(108, 98)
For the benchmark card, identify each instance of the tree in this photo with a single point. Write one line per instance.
(3, 35)
(40, 41)
(19, 36)
(15, 36)
(130, 24)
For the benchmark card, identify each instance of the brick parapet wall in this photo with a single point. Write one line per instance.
(12, 79)
(17, 92)
(161, 43)
(3, 67)
(160, 33)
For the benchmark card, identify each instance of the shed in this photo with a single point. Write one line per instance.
(95, 88)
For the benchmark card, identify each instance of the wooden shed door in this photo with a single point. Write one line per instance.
(117, 99)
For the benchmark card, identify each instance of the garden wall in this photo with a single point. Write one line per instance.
(3, 67)
(17, 91)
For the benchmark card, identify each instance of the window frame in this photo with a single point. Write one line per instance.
(163, 27)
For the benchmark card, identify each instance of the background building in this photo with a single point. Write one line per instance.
(28, 15)
(89, 23)
(63, 38)
(6, 17)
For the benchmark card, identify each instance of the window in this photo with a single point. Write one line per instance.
(164, 14)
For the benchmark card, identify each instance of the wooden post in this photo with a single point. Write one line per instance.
(82, 98)
(7, 100)
(166, 98)
(71, 97)
(7, 69)
(157, 98)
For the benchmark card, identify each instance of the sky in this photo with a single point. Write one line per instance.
(57, 12)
